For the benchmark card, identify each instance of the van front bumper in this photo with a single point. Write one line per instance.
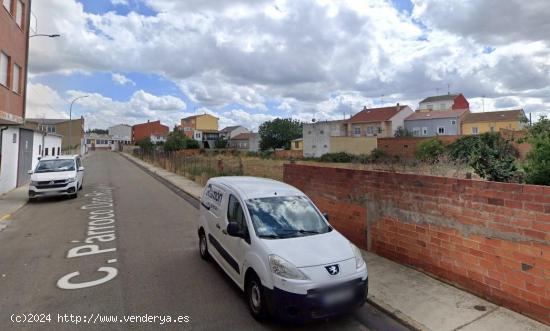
(67, 189)
(295, 307)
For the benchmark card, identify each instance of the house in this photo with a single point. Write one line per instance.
(204, 123)
(63, 127)
(144, 130)
(444, 102)
(96, 141)
(493, 121)
(435, 123)
(229, 132)
(317, 136)
(240, 142)
(377, 122)
(297, 144)
(122, 133)
(254, 142)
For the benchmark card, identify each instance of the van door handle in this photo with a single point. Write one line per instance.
(218, 225)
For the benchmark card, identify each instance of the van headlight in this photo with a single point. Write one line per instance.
(34, 183)
(285, 269)
(359, 262)
(71, 180)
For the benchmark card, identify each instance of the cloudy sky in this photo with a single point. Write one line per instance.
(249, 61)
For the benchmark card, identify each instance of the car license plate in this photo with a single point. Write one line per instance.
(338, 296)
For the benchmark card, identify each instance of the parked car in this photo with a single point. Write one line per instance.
(276, 245)
(54, 176)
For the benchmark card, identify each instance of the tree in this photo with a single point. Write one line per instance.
(430, 150)
(175, 141)
(279, 132)
(146, 144)
(97, 131)
(220, 143)
(402, 132)
(537, 163)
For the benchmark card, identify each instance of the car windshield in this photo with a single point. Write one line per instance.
(55, 166)
(285, 217)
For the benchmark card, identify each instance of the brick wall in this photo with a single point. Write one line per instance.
(489, 238)
(287, 154)
(405, 147)
(144, 130)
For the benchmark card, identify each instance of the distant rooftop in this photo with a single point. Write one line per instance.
(419, 115)
(495, 116)
(445, 97)
(376, 114)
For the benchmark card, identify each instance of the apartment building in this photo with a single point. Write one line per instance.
(72, 131)
(153, 130)
(203, 128)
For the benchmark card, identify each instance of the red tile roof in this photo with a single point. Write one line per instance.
(376, 114)
(495, 116)
(420, 115)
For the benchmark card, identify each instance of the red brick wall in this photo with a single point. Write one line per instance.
(489, 238)
(141, 131)
(405, 147)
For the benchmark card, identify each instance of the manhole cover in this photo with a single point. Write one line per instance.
(480, 308)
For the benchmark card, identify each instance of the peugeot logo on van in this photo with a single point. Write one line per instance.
(333, 269)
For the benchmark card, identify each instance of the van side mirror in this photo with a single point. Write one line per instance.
(30, 172)
(233, 230)
(325, 215)
(80, 168)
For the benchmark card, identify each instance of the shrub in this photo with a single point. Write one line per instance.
(146, 145)
(220, 143)
(340, 157)
(191, 144)
(494, 158)
(430, 150)
(377, 154)
(461, 149)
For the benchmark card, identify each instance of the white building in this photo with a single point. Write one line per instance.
(21, 148)
(155, 139)
(122, 133)
(254, 142)
(230, 132)
(317, 136)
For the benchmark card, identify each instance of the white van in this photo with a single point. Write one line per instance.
(278, 247)
(59, 175)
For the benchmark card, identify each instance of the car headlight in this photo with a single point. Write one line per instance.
(70, 180)
(359, 262)
(34, 183)
(285, 269)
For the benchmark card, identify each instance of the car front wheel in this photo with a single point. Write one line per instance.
(203, 246)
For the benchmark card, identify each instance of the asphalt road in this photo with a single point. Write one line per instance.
(150, 251)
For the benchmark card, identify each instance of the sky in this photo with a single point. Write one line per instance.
(249, 61)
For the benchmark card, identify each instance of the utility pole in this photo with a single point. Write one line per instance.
(71, 117)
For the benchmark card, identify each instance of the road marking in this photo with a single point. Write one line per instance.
(5, 217)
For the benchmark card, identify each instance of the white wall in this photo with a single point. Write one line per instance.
(317, 137)
(10, 157)
(399, 119)
(438, 105)
(121, 131)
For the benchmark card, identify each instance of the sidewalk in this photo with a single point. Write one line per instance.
(412, 297)
(10, 202)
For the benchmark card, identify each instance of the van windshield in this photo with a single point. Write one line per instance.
(55, 166)
(285, 217)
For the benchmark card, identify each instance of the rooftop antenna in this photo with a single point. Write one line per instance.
(448, 88)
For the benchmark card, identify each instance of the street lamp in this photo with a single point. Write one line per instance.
(71, 116)
(45, 35)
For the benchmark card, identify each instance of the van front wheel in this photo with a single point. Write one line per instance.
(256, 299)
(203, 247)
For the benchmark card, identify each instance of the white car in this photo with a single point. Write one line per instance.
(276, 246)
(53, 176)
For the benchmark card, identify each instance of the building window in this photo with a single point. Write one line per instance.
(453, 122)
(53, 151)
(416, 132)
(357, 131)
(39, 149)
(58, 150)
(7, 5)
(441, 130)
(424, 131)
(46, 151)
(16, 86)
(19, 13)
(322, 132)
(4, 68)
(379, 129)
(296, 145)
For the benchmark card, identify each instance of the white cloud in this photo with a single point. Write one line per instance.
(45, 102)
(121, 79)
(313, 58)
(120, 2)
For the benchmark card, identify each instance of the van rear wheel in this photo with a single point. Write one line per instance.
(203, 247)
(256, 299)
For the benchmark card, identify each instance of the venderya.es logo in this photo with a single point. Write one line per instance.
(333, 269)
